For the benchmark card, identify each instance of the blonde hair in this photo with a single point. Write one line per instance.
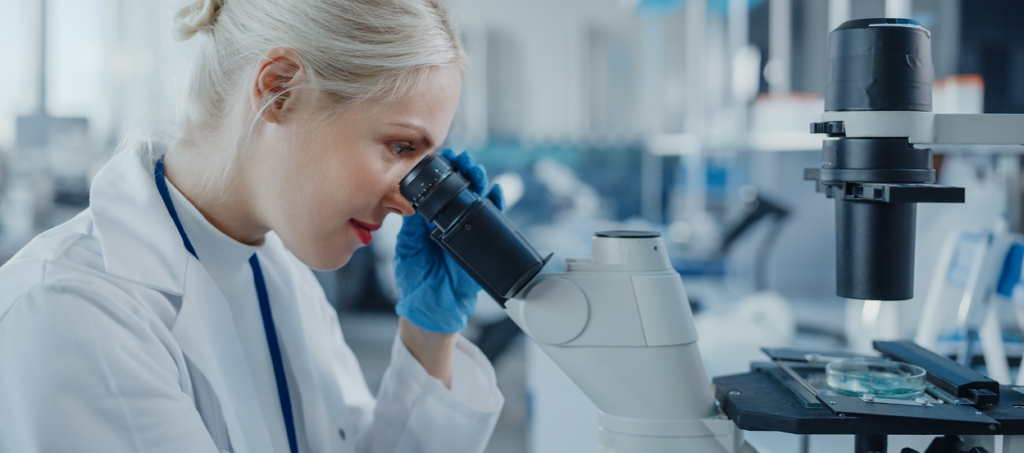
(352, 50)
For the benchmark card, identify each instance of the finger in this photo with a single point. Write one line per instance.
(466, 165)
(414, 229)
(497, 196)
(448, 154)
(414, 238)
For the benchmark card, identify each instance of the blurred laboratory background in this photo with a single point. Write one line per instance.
(687, 117)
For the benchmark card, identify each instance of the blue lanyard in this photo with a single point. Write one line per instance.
(261, 293)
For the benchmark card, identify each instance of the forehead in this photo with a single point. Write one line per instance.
(429, 103)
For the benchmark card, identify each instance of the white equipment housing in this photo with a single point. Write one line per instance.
(932, 128)
(620, 326)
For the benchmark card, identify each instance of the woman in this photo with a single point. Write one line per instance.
(178, 313)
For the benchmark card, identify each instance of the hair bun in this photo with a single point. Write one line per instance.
(195, 18)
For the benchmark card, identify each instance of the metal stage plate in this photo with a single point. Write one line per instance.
(757, 401)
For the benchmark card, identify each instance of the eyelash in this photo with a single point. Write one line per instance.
(400, 148)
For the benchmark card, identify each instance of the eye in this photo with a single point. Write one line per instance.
(399, 148)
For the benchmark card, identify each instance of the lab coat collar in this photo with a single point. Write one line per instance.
(139, 240)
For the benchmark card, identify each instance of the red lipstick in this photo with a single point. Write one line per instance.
(364, 230)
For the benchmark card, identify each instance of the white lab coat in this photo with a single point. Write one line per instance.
(114, 338)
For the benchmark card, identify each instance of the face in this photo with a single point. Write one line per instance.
(324, 187)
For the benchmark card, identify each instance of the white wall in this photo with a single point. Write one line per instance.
(553, 44)
(148, 70)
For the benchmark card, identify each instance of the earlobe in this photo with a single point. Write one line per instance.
(278, 74)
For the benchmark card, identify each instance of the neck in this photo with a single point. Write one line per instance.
(227, 203)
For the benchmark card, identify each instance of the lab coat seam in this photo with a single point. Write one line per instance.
(21, 297)
(112, 382)
(71, 242)
(65, 241)
(10, 307)
(48, 282)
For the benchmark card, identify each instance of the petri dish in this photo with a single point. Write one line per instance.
(883, 378)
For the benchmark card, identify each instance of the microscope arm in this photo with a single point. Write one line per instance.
(925, 127)
(619, 325)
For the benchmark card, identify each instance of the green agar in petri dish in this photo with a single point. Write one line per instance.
(880, 377)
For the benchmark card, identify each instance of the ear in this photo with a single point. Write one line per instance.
(279, 72)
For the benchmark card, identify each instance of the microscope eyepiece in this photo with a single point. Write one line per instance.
(471, 229)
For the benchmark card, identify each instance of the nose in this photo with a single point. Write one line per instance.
(395, 202)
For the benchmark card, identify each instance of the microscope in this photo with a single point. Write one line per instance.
(878, 109)
(620, 326)
(618, 323)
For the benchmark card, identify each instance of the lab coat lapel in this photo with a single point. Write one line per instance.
(206, 333)
(323, 407)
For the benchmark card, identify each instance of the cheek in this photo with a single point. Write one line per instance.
(317, 200)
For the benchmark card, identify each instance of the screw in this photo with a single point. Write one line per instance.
(977, 413)
(841, 415)
(469, 227)
(921, 401)
(991, 427)
(735, 393)
(868, 397)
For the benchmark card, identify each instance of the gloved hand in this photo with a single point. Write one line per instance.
(437, 295)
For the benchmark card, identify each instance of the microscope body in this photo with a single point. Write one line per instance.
(620, 326)
(618, 323)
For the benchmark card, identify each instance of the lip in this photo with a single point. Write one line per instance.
(364, 230)
(366, 226)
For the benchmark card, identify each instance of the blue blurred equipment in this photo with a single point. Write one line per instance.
(667, 7)
(437, 295)
(659, 7)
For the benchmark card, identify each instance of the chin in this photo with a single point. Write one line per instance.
(326, 259)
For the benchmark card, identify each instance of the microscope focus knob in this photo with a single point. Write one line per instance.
(556, 311)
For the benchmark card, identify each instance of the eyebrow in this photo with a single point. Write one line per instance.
(424, 136)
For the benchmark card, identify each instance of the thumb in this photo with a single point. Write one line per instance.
(497, 196)
(415, 231)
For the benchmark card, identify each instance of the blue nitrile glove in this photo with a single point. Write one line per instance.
(437, 295)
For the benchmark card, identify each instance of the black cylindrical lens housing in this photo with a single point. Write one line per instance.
(874, 238)
(879, 64)
(875, 250)
(471, 229)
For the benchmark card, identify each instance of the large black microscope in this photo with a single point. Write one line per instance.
(878, 106)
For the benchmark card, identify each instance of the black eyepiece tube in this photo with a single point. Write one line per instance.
(471, 229)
